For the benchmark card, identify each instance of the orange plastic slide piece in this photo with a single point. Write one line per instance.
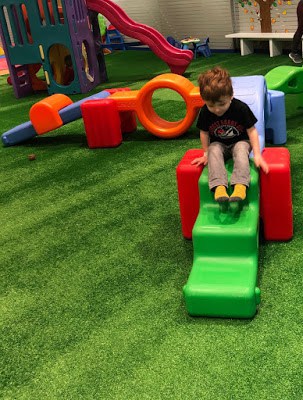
(140, 101)
(44, 115)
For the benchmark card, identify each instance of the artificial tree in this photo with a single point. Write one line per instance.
(265, 7)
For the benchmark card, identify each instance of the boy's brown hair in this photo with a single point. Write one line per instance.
(214, 84)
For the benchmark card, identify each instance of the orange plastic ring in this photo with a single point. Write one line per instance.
(151, 121)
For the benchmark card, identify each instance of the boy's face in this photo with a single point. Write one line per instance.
(219, 107)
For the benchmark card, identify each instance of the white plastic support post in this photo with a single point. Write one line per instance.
(246, 47)
(275, 48)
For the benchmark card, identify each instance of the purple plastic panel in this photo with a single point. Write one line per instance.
(93, 17)
(22, 87)
(77, 16)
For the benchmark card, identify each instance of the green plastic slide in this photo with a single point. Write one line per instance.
(287, 79)
(222, 282)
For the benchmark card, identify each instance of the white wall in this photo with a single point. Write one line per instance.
(198, 18)
(181, 18)
(142, 11)
(213, 18)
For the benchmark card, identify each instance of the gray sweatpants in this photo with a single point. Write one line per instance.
(218, 153)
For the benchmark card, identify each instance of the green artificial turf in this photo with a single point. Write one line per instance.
(93, 263)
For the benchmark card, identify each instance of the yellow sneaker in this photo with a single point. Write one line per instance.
(221, 194)
(239, 193)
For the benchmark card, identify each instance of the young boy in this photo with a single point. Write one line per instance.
(226, 130)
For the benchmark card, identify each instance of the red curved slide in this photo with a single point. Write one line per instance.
(177, 59)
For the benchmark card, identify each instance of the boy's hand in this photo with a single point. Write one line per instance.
(261, 163)
(200, 160)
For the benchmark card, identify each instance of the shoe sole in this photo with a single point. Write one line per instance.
(234, 199)
(293, 60)
(222, 199)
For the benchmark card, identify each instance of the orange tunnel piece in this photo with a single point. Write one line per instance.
(140, 101)
(44, 115)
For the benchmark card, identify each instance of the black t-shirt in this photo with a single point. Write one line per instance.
(231, 127)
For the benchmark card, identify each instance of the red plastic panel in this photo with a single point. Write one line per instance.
(128, 118)
(187, 179)
(102, 123)
(275, 195)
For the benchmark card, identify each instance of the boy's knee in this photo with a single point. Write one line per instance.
(242, 148)
(215, 149)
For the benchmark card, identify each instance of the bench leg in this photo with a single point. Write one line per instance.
(246, 46)
(275, 48)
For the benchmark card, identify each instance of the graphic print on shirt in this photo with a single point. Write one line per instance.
(226, 129)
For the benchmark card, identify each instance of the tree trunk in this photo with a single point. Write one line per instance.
(265, 18)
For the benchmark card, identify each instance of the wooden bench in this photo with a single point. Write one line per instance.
(247, 39)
